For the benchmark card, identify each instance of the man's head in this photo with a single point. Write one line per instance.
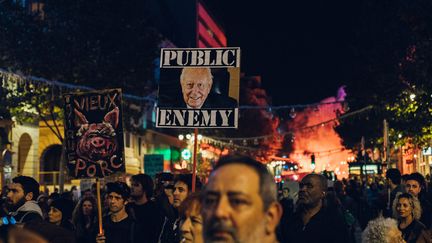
(118, 193)
(183, 187)
(393, 177)
(312, 190)
(142, 185)
(21, 190)
(414, 183)
(285, 192)
(240, 202)
(196, 84)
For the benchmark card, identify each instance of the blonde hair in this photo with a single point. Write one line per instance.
(414, 203)
(200, 72)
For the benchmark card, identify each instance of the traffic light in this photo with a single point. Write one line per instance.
(313, 161)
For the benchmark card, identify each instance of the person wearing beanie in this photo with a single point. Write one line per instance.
(61, 212)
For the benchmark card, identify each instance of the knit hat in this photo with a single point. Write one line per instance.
(65, 206)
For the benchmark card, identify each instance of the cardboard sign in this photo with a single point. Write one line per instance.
(153, 164)
(94, 133)
(199, 88)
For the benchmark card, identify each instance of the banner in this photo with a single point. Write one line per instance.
(153, 164)
(94, 133)
(199, 88)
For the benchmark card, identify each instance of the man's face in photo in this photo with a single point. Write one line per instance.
(196, 84)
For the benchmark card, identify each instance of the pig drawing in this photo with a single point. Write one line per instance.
(97, 141)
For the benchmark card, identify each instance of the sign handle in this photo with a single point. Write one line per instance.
(194, 159)
(99, 204)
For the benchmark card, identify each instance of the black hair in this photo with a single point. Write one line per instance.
(146, 182)
(118, 187)
(394, 175)
(187, 179)
(419, 178)
(267, 185)
(28, 184)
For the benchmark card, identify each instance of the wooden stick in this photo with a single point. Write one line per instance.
(99, 204)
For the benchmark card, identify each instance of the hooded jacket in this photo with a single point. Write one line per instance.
(28, 212)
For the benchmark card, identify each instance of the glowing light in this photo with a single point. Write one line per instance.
(188, 136)
(412, 97)
(295, 177)
(181, 136)
(400, 135)
(186, 154)
(200, 136)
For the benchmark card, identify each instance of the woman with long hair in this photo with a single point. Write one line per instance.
(85, 220)
(407, 210)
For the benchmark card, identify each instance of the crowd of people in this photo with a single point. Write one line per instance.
(239, 203)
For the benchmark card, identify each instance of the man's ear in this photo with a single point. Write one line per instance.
(29, 196)
(273, 216)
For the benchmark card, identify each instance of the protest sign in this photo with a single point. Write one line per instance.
(199, 88)
(94, 133)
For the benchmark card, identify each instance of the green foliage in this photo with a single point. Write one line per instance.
(392, 71)
(100, 44)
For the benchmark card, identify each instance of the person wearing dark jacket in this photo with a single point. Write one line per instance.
(394, 178)
(118, 226)
(170, 232)
(146, 212)
(407, 210)
(61, 212)
(21, 200)
(312, 222)
(416, 186)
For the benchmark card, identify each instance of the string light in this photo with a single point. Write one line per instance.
(292, 113)
(11, 81)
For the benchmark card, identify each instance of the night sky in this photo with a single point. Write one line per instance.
(302, 49)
